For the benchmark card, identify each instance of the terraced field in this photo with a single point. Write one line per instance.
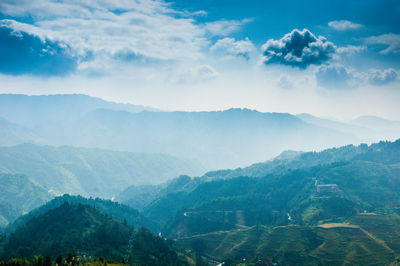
(364, 241)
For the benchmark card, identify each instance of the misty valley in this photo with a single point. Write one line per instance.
(86, 181)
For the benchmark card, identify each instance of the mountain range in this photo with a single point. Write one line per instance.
(330, 207)
(91, 172)
(218, 139)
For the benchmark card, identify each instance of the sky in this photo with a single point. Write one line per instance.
(337, 59)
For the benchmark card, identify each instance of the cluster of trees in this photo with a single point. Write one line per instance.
(89, 233)
(72, 259)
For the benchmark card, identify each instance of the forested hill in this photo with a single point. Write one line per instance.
(362, 178)
(116, 210)
(86, 232)
(384, 151)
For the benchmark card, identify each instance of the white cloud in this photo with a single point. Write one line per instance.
(106, 29)
(344, 25)
(351, 49)
(338, 77)
(235, 48)
(382, 77)
(390, 39)
(225, 27)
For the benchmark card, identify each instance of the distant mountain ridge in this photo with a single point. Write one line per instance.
(33, 110)
(367, 128)
(219, 139)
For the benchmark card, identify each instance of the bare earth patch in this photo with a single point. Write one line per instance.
(333, 225)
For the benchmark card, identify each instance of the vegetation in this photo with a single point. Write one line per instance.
(335, 207)
(116, 210)
(339, 244)
(19, 195)
(87, 233)
(91, 172)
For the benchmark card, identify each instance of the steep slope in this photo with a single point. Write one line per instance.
(92, 172)
(87, 232)
(118, 211)
(19, 195)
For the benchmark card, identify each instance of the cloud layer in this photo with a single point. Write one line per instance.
(338, 77)
(114, 30)
(391, 40)
(383, 77)
(344, 25)
(298, 49)
(229, 46)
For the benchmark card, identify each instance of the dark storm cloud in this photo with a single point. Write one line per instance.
(23, 53)
(298, 49)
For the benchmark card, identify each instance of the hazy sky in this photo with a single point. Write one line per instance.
(329, 58)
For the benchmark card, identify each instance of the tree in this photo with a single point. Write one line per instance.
(47, 261)
(59, 260)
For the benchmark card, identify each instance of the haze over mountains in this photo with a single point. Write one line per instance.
(330, 207)
(91, 172)
(218, 139)
(177, 173)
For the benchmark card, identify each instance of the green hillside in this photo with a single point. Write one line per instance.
(116, 210)
(291, 160)
(86, 232)
(19, 195)
(306, 196)
(140, 196)
(338, 244)
(91, 172)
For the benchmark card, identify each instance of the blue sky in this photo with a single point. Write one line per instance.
(330, 58)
